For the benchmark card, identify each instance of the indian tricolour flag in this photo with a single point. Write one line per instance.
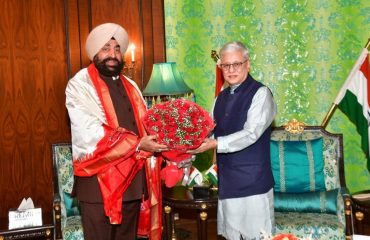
(354, 99)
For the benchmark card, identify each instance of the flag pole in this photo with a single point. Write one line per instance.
(328, 115)
(334, 106)
(368, 44)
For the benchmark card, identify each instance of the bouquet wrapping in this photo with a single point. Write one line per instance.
(181, 125)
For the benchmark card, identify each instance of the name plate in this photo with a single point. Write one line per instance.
(25, 218)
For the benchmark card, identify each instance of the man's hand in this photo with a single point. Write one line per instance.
(149, 144)
(206, 145)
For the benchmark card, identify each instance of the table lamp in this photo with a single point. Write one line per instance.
(165, 83)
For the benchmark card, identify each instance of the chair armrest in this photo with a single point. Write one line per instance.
(57, 216)
(347, 210)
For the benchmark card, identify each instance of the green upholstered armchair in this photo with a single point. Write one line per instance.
(311, 198)
(67, 217)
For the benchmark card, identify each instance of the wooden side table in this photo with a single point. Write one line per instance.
(181, 197)
(361, 211)
(42, 232)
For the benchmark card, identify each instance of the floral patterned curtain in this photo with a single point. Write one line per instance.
(303, 50)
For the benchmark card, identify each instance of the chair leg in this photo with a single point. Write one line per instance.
(359, 217)
(202, 225)
(348, 216)
(169, 226)
(57, 221)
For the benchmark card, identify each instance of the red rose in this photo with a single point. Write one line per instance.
(285, 237)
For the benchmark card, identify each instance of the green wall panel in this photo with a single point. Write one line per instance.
(303, 50)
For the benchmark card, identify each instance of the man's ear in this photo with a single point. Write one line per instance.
(248, 64)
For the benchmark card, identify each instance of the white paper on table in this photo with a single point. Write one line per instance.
(26, 204)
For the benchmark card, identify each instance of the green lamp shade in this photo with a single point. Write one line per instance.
(165, 80)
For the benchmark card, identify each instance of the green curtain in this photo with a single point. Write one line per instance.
(302, 50)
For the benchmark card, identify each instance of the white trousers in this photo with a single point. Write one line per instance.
(245, 218)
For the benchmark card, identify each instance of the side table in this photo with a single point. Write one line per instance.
(42, 232)
(180, 197)
(361, 210)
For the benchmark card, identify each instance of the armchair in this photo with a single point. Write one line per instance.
(67, 219)
(311, 198)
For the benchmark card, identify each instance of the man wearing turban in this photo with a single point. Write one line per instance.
(113, 160)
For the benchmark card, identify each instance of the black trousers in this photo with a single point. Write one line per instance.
(96, 225)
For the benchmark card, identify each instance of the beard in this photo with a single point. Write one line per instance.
(101, 65)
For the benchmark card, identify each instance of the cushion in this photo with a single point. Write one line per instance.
(310, 225)
(73, 229)
(298, 166)
(71, 205)
(313, 202)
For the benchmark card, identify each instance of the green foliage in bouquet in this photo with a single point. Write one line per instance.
(203, 161)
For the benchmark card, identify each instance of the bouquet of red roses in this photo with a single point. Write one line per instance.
(181, 125)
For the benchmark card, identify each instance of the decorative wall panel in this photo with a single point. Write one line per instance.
(33, 74)
(42, 44)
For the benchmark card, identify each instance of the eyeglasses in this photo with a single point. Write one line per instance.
(236, 66)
